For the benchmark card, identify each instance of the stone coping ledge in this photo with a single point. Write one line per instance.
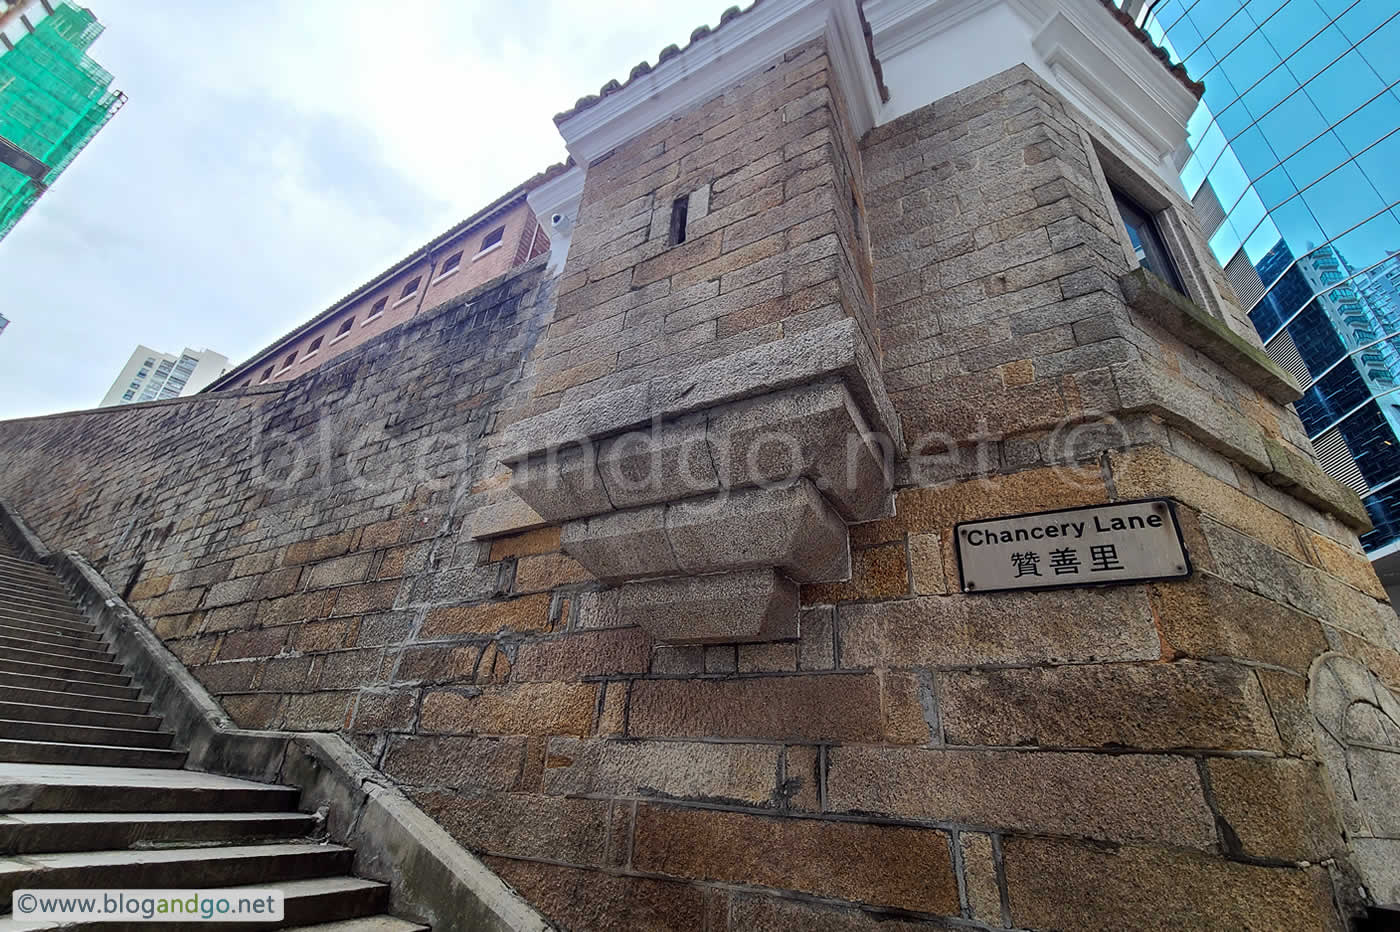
(1154, 298)
(1145, 388)
(432, 878)
(835, 349)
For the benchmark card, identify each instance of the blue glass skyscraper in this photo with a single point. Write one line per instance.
(1294, 169)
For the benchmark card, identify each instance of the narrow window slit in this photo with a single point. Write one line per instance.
(679, 208)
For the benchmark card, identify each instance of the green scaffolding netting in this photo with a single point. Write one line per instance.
(53, 100)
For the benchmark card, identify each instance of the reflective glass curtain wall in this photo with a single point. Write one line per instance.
(1294, 168)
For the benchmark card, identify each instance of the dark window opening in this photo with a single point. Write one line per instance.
(267, 374)
(410, 288)
(315, 345)
(378, 306)
(345, 327)
(452, 262)
(680, 208)
(855, 216)
(1147, 241)
(291, 358)
(492, 238)
(246, 383)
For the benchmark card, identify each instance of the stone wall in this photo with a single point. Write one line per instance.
(1158, 755)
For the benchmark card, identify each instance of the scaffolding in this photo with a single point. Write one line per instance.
(53, 100)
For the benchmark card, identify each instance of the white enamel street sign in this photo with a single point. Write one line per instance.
(1125, 542)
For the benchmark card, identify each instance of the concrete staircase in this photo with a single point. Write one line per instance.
(92, 794)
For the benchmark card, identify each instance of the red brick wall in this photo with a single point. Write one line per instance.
(433, 289)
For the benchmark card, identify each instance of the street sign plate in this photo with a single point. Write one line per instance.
(1119, 543)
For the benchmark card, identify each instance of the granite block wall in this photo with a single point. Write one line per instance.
(1218, 752)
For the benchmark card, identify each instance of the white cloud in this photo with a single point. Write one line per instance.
(275, 155)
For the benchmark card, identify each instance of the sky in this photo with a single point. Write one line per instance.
(275, 154)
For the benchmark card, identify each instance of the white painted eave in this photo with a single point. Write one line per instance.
(1078, 46)
(741, 47)
(555, 203)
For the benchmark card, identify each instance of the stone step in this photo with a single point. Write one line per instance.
(18, 631)
(71, 715)
(102, 654)
(72, 627)
(35, 598)
(132, 709)
(36, 788)
(32, 655)
(40, 588)
(372, 924)
(35, 573)
(175, 868)
(59, 733)
(10, 564)
(13, 663)
(54, 617)
(52, 832)
(89, 755)
(314, 901)
(77, 688)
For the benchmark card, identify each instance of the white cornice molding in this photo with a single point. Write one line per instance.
(1129, 77)
(900, 25)
(555, 203)
(1077, 45)
(759, 37)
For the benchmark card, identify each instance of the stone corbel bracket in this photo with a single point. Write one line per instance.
(708, 495)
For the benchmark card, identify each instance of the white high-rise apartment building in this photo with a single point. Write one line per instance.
(151, 375)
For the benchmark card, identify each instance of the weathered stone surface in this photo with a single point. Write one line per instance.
(526, 543)
(756, 605)
(1301, 476)
(508, 515)
(926, 510)
(622, 544)
(1148, 294)
(835, 349)
(790, 528)
(771, 913)
(562, 484)
(1061, 885)
(590, 899)
(490, 763)
(1155, 706)
(1146, 387)
(603, 652)
(665, 462)
(529, 613)
(1068, 626)
(876, 573)
(1351, 565)
(878, 864)
(547, 570)
(728, 773)
(805, 707)
(1107, 797)
(1378, 859)
(1207, 617)
(1248, 563)
(980, 873)
(523, 825)
(815, 431)
(1150, 472)
(1276, 808)
(525, 709)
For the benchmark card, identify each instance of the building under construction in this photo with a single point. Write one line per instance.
(53, 98)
